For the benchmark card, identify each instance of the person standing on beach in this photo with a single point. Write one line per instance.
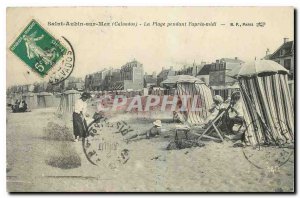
(79, 114)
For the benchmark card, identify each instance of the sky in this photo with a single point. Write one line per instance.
(155, 47)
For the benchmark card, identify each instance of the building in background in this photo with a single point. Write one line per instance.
(191, 70)
(150, 80)
(163, 75)
(219, 80)
(203, 73)
(284, 55)
(88, 82)
(40, 87)
(93, 82)
(111, 80)
(73, 83)
(132, 76)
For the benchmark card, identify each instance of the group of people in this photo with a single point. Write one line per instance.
(80, 126)
(19, 106)
(233, 116)
(232, 106)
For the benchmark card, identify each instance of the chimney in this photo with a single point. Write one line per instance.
(285, 40)
(154, 74)
(235, 58)
(217, 61)
(268, 51)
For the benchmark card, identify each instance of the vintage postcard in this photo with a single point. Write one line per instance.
(150, 99)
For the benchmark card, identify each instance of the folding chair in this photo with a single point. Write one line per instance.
(213, 126)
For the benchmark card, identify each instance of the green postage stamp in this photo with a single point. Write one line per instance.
(37, 48)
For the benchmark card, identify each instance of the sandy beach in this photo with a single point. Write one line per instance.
(43, 160)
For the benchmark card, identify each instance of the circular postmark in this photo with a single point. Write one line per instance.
(64, 68)
(273, 153)
(103, 144)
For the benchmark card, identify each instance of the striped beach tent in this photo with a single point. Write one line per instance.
(31, 100)
(45, 99)
(67, 101)
(199, 98)
(268, 107)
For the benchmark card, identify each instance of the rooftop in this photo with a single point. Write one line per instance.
(150, 79)
(205, 70)
(232, 60)
(286, 49)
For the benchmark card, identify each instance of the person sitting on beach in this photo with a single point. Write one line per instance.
(15, 107)
(215, 109)
(153, 132)
(23, 106)
(236, 115)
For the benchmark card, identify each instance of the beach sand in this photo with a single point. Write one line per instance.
(48, 161)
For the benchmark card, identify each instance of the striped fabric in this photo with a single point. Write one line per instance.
(203, 102)
(268, 108)
(67, 102)
(31, 100)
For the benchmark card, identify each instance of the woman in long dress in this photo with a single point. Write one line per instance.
(79, 114)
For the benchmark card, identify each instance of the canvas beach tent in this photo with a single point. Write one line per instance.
(67, 101)
(45, 99)
(11, 98)
(191, 86)
(31, 100)
(268, 107)
(16, 96)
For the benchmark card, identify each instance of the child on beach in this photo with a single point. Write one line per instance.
(153, 132)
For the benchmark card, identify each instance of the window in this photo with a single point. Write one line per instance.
(215, 67)
(221, 66)
(221, 77)
(287, 64)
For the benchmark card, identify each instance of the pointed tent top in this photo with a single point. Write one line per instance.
(257, 67)
(181, 79)
(44, 94)
(71, 92)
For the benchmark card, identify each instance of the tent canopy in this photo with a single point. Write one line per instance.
(44, 94)
(268, 107)
(203, 102)
(28, 94)
(172, 80)
(257, 67)
(71, 92)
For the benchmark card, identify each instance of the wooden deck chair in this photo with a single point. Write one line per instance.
(213, 126)
(193, 119)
